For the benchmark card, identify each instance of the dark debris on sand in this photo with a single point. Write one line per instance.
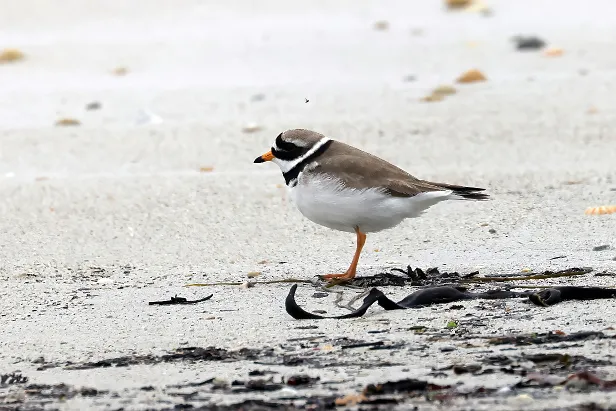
(434, 277)
(554, 365)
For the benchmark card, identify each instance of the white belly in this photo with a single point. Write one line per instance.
(326, 202)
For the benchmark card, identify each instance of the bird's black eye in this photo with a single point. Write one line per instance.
(285, 150)
(284, 145)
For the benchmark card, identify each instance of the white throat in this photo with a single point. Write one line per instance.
(288, 165)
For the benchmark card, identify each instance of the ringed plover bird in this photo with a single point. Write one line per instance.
(343, 188)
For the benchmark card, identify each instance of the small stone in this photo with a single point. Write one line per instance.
(120, 71)
(447, 348)
(457, 4)
(471, 76)
(257, 97)
(95, 105)
(432, 98)
(444, 90)
(527, 270)
(146, 117)
(63, 122)
(479, 7)
(11, 56)
(320, 295)
(253, 274)
(524, 398)
(463, 369)
(381, 25)
(492, 231)
(504, 390)
(206, 169)
(528, 43)
(247, 284)
(251, 128)
(601, 247)
(409, 78)
(553, 52)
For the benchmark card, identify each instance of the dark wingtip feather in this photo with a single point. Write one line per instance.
(468, 193)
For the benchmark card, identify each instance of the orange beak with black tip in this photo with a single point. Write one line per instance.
(265, 157)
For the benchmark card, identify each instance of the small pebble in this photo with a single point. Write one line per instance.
(409, 78)
(146, 117)
(492, 231)
(251, 128)
(601, 247)
(253, 274)
(247, 284)
(95, 105)
(67, 122)
(447, 348)
(257, 97)
(381, 25)
(553, 52)
(206, 169)
(504, 390)
(432, 98)
(11, 56)
(524, 397)
(528, 43)
(471, 76)
(320, 295)
(457, 4)
(120, 71)
(444, 90)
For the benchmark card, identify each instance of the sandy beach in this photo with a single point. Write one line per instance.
(155, 188)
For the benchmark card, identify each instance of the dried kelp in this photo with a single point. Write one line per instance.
(440, 295)
(188, 354)
(180, 300)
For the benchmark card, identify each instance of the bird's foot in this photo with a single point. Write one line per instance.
(339, 278)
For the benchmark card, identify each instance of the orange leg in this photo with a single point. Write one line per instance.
(350, 273)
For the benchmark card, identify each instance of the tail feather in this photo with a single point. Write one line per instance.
(467, 193)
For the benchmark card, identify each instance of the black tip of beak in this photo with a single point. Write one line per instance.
(259, 160)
